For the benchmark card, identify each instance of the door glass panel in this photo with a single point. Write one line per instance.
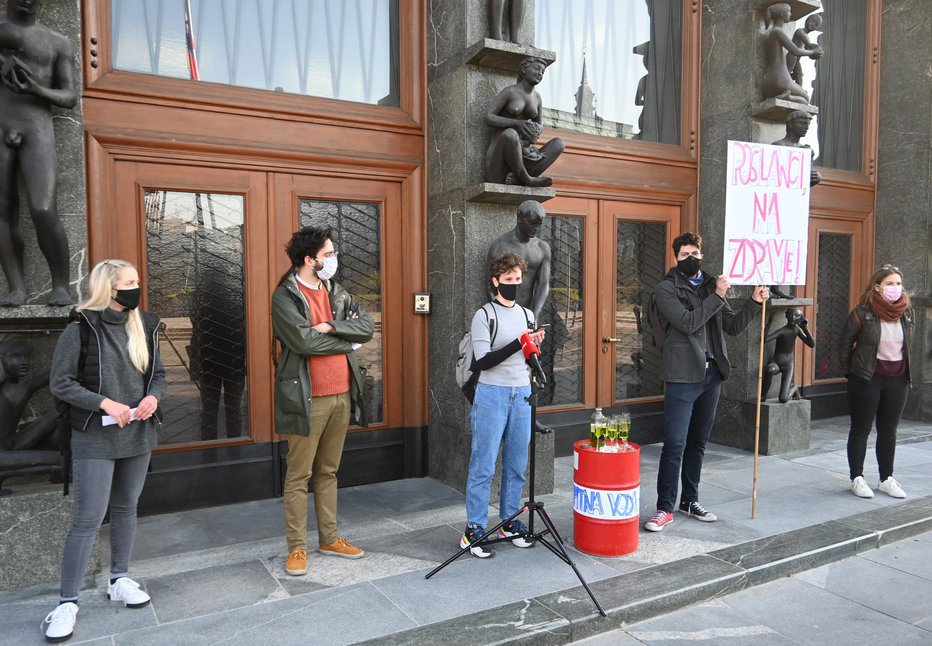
(327, 48)
(562, 349)
(619, 70)
(196, 281)
(832, 304)
(640, 266)
(357, 237)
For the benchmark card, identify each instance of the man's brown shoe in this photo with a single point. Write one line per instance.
(296, 565)
(341, 548)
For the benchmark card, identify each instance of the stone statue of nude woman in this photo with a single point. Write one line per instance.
(777, 82)
(513, 156)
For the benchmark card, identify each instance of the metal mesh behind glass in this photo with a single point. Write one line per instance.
(562, 349)
(358, 240)
(640, 266)
(832, 307)
(196, 281)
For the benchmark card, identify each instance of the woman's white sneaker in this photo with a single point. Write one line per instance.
(126, 590)
(860, 488)
(59, 624)
(892, 488)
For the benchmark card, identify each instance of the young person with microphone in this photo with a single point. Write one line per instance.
(503, 345)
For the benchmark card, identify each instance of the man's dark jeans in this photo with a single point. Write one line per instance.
(688, 413)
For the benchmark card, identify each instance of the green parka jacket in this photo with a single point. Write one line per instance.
(291, 324)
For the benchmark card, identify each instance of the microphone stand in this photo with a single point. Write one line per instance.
(532, 507)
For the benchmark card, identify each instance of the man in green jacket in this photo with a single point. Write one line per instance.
(318, 385)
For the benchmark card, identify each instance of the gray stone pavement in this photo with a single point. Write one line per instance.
(216, 575)
(883, 596)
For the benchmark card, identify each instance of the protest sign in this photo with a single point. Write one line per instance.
(766, 214)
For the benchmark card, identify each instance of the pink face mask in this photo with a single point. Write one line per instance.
(892, 292)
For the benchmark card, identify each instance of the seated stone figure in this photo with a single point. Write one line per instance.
(777, 82)
(33, 446)
(515, 113)
(782, 361)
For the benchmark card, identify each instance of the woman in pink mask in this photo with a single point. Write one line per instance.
(875, 359)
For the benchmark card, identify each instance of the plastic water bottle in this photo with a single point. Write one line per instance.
(595, 429)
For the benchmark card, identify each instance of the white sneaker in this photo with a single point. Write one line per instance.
(892, 488)
(59, 624)
(860, 488)
(127, 591)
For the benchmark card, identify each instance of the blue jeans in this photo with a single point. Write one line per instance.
(688, 413)
(498, 413)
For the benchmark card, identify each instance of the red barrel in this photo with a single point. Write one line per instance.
(606, 500)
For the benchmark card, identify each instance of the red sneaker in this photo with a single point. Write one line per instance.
(658, 521)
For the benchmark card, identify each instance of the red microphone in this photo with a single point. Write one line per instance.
(531, 356)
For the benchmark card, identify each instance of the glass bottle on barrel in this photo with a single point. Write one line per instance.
(596, 428)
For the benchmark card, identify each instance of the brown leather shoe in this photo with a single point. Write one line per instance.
(296, 565)
(342, 548)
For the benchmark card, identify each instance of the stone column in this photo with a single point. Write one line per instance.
(465, 72)
(904, 176)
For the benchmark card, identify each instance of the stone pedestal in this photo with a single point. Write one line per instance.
(783, 428)
(465, 214)
(34, 523)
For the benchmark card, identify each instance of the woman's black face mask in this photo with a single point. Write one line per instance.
(128, 298)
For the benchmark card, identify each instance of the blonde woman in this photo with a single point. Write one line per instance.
(113, 386)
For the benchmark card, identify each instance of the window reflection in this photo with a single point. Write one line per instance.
(196, 281)
(619, 67)
(327, 48)
(357, 238)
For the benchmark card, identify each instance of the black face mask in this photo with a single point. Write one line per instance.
(508, 292)
(128, 298)
(689, 265)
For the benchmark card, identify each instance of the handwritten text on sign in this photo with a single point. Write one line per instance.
(766, 214)
(621, 504)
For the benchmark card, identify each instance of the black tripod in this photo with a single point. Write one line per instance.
(532, 507)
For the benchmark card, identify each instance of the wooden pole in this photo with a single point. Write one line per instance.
(760, 379)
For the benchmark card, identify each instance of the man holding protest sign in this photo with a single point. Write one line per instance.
(695, 363)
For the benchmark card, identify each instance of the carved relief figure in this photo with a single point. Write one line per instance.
(513, 156)
(497, 8)
(37, 73)
(782, 362)
(801, 40)
(797, 125)
(777, 82)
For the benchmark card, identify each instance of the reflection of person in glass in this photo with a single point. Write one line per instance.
(875, 359)
(114, 418)
(501, 414)
(782, 362)
(513, 156)
(218, 346)
(42, 76)
(318, 386)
